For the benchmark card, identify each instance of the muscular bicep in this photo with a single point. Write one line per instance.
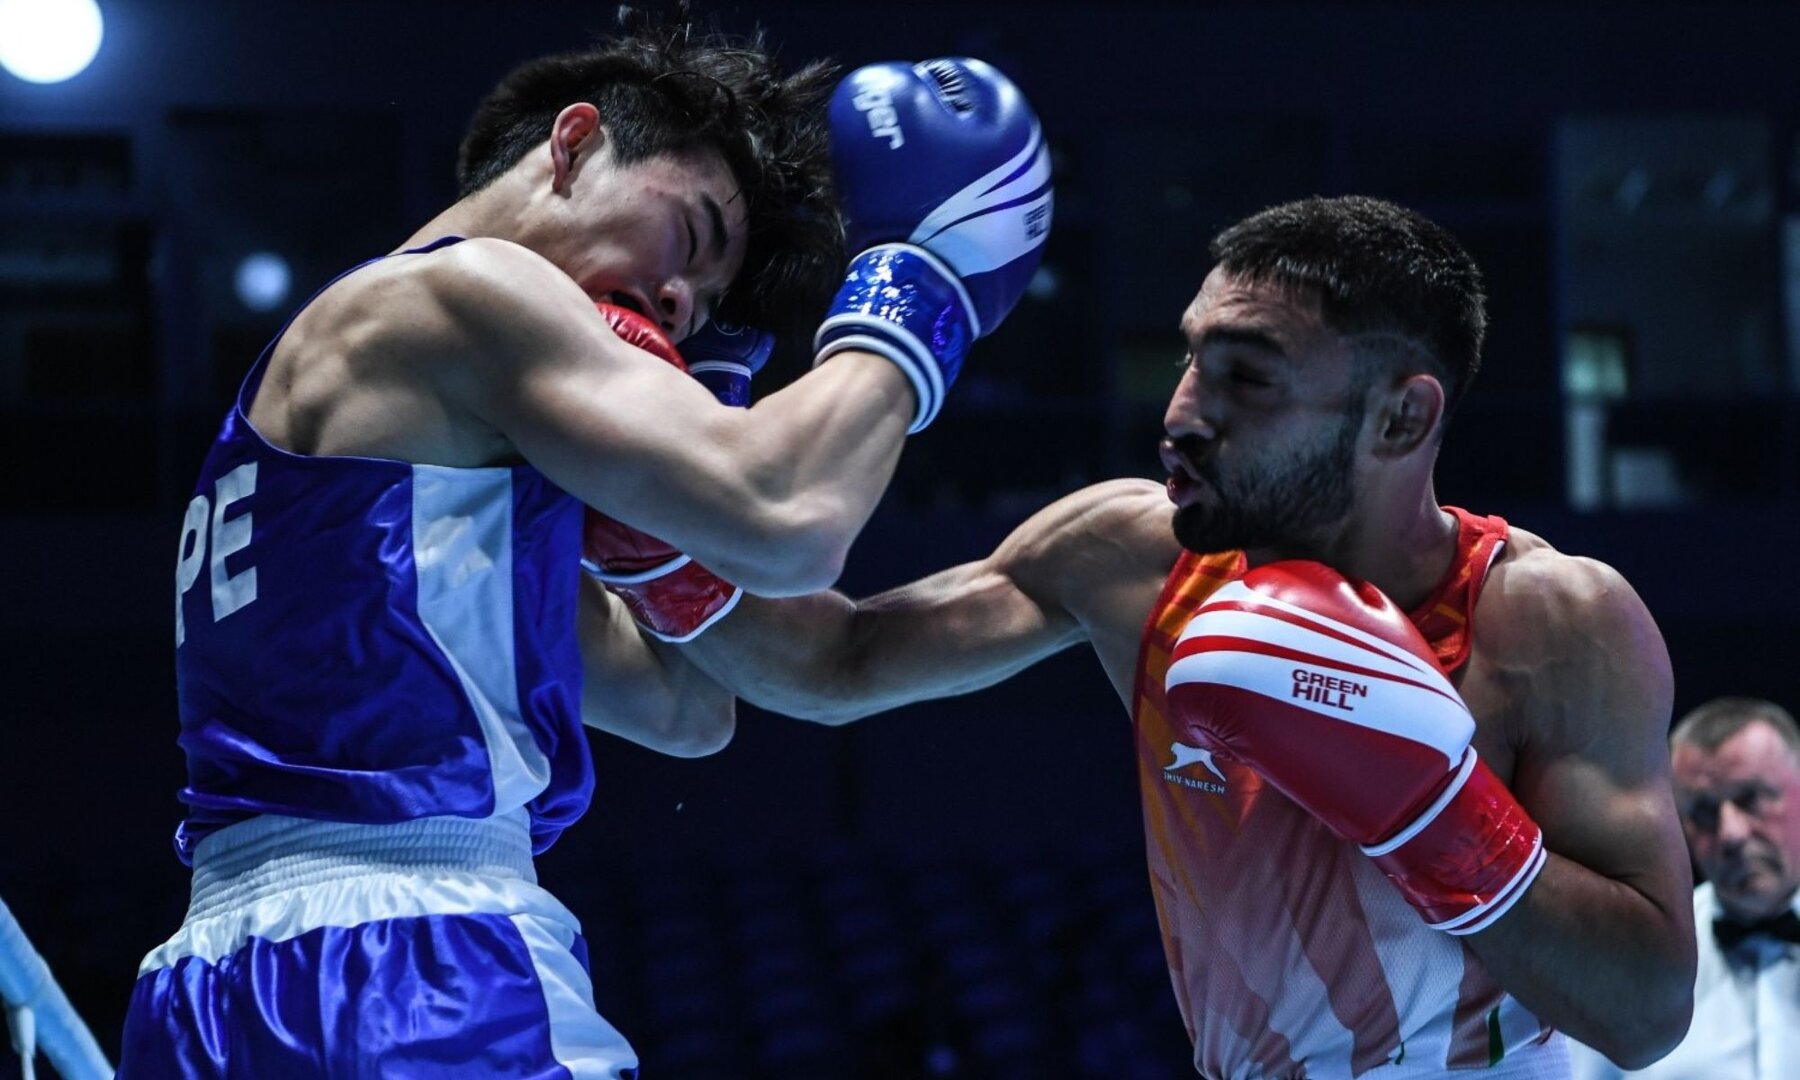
(959, 630)
(607, 422)
(1602, 943)
(632, 436)
(1618, 824)
(769, 498)
(1594, 770)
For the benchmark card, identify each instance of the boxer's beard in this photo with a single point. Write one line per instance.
(1284, 506)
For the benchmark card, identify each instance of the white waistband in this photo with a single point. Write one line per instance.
(246, 862)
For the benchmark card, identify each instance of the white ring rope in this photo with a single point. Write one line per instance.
(38, 1013)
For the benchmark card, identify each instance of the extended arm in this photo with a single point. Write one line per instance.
(830, 659)
(1602, 946)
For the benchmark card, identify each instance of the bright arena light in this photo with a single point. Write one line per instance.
(263, 280)
(47, 41)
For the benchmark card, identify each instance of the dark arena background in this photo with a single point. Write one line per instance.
(956, 889)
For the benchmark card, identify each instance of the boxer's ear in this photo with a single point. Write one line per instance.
(575, 136)
(1406, 415)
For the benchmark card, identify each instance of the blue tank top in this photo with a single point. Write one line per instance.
(367, 640)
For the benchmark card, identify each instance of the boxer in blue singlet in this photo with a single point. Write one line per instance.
(385, 647)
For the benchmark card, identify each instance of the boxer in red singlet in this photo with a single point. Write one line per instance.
(1506, 863)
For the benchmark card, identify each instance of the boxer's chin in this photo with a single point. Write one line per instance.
(1205, 529)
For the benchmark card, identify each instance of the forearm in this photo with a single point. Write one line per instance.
(826, 658)
(1597, 959)
(794, 656)
(645, 690)
(813, 461)
(768, 498)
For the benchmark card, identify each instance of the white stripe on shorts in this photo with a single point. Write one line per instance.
(580, 1038)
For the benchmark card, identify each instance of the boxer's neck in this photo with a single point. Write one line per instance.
(1402, 542)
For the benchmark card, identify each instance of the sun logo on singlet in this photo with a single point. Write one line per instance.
(1185, 756)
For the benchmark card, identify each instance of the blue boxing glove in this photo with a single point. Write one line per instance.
(724, 356)
(945, 184)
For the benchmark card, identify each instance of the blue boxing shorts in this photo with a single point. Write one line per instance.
(419, 949)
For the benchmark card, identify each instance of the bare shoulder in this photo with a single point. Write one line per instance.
(1102, 526)
(1546, 604)
(394, 359)
(1094, 551)
(1577, 630)
(485, 264)
(431, 301)
(480, 317)
(485, 281)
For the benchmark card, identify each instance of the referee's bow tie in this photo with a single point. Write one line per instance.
(1783, 927)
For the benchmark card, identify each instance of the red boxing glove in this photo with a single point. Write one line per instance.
(635, 329)
(1324, 687)
(669, 594)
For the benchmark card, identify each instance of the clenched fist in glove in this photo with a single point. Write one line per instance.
(945, 184)
(1324, 687)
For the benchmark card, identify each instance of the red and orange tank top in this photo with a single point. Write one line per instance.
(1291, 955)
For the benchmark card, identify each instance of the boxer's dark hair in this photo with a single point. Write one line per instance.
(672, 88)
(1719, 719)
(1400, 288)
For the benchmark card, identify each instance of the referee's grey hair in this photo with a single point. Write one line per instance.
(1708, 726)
